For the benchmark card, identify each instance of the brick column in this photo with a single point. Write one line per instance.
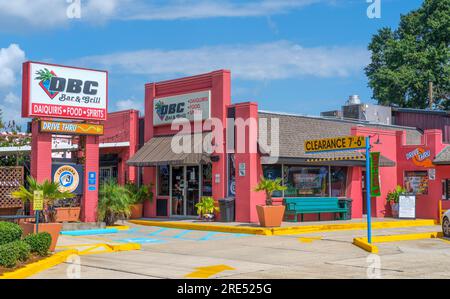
(90, 191)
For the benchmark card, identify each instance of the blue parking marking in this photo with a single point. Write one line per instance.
(181, 234)
(142, 241)
(157, 232)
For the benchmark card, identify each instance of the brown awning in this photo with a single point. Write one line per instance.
(158, 151)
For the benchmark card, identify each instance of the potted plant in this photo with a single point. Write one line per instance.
(114, 202)
(68, 210)
(206, 208)
(138, 196)
(270, 215)
(47, 217)
(392, 199)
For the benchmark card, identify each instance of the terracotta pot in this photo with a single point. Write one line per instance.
(52, 228)
(68, 214)
(136, 211)
(270, 216)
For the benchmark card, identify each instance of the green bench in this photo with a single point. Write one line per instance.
(312, 205)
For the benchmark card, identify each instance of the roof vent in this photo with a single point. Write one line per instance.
(353, 100)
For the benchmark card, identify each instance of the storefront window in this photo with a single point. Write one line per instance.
(207, 180)
(273, 172)
(338, 181)
(163, 180)
(306, 181)
(416, 182)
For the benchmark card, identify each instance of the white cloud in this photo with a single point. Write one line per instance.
(11, 98)
(130, 104)
(10, 108)
(11, 59)
(276, 60)
(49, 13)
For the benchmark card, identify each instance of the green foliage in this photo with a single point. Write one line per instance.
(11, 136)
(140, 194)
(113, 202)
(51, 193)
(39, 243)
(269, 186)
(22, 250)
(9, 255)
(9, 232)
(44, 75)
(394, 195)
(206, 206)
(405, 60)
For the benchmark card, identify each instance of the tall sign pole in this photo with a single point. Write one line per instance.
(368, 201)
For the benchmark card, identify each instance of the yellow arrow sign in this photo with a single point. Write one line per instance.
(206, 272)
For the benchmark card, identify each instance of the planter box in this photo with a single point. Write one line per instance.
(394, 209)
(52, 228)
(137, 211)
(270, 216)
(68, 214)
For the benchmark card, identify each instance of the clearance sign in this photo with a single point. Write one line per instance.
(335, 144)
(58, 91)
(70, 128)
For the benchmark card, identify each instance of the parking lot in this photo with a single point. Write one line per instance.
(180, 253)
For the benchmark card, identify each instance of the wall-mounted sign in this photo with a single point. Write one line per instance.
(420, 157)
(64, 92)
(374, 174)
(335, 144)
(69, 177)
(242, 169)
(70, 128)
(432, 174)
(168, 109)
(407, 206)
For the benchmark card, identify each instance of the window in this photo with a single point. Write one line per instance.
(306, 181)
(163, 180)
(272, 172)
(416, 182)
(338, 181)
(207, 180)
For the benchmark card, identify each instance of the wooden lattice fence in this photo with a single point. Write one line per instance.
(10, 180)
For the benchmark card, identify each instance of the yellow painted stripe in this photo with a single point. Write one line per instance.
(404, 237)
(119, 227)
(39, 266)
(309, 240)
(206, 272)
(360, 242)
(206, 227)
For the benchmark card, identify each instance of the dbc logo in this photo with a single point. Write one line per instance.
(162, 110)
(52, 84)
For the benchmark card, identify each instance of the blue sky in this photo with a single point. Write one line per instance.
(299, 56)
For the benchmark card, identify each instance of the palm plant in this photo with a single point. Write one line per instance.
(51, 194)
(44, 75)
(113, 202)
(269, 186)
(141, 193)
(206, 206)
(394, 195)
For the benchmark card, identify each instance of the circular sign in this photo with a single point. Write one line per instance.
(67, 177)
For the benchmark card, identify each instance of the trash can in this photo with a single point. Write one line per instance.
(346, 203)
(226, 206)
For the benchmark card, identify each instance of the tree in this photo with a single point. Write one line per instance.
(405, 60)
(11, 136)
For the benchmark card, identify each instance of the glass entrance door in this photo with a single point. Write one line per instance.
(177, 190)
(192, 189)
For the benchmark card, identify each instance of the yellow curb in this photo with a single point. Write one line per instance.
(405, 237)
(39, 266)
(290, 230)
(206, 227)
(119, 227)
(360, 242)
(107, 248)
(294, 230)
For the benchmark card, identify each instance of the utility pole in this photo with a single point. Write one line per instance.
(430, 94)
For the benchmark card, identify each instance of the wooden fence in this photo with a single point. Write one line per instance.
(10, 180)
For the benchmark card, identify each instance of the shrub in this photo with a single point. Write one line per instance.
(9, 232)
(39, 243)
(22, 249)
(8, 255)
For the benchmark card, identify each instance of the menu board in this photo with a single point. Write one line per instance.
(407, 207)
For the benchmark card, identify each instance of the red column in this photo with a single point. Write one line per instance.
(246, 198)
(90, 188)
(41, 154)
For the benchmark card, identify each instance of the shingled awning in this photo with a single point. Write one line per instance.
(443, 158)
(158, 151)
